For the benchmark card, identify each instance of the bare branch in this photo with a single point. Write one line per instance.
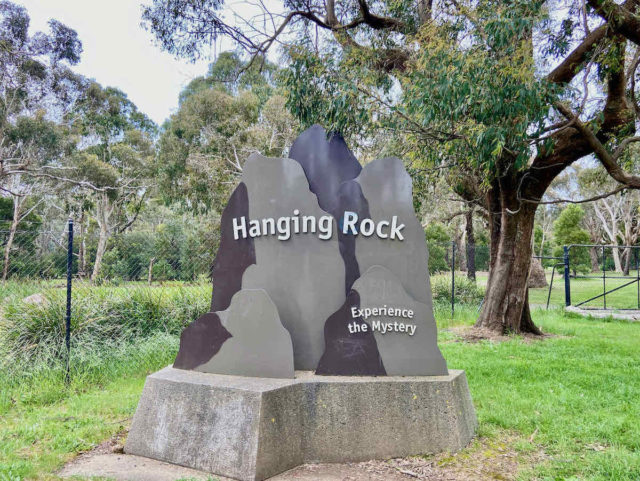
(580, 201)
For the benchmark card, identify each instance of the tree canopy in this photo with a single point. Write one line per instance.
(505, 95)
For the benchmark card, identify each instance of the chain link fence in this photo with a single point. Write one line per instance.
(113, 289)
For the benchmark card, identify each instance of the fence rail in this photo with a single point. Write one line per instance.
(616, 267)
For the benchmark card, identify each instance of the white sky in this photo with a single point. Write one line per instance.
(118, 52)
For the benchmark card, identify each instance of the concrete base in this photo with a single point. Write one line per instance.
(254, 428)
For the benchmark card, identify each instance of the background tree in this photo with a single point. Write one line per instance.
(567, 230)
(495, 89)
(222, 119)
(116, 161)
(36, 88)
(616, 216)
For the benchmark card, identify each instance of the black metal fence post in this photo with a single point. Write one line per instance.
(635, 251)
(453, 277)
(67, 333)
(567, 278)
(604, 278)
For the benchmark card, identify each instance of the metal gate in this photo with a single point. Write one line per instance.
(602, 276)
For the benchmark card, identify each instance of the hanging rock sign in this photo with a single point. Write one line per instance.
(320, 344)
(322, 267)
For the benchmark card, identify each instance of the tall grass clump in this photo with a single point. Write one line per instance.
(114, 331)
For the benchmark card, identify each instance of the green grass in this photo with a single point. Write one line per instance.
(573, 397)
(577, 391)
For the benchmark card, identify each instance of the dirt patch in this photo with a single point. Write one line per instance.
(484, 459)
(114, 445)
(473, 334)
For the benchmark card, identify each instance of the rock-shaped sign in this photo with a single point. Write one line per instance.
(258, 345)
(339, 252)
(297, 259)
(404, 328)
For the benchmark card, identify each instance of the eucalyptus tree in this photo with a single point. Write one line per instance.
(36, 88)
(223, 117)
(507, 94)
(616, 218)
(114, 160)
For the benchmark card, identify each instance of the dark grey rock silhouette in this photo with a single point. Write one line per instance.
(327, 163)
(259, 345)
(350, 198)
(200, 341)
(233, 256)
(303, 275)
(402, 354)
(349, 354)
(330, 168)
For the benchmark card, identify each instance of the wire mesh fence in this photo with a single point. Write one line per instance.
(119, 287)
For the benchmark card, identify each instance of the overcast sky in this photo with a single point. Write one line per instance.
(120, 53)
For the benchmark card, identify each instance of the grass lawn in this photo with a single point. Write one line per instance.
(573, 397)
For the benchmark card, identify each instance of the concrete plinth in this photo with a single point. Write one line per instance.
(254, 428)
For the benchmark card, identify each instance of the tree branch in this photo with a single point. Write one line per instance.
(580, 201)
(621, 18)
(569, 67)
(607, 160)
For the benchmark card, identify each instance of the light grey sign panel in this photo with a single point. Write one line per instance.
(402, 354)
(304, 275)
(259, 345)
(387, 187)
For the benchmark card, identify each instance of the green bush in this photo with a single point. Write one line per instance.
(33, 334)
(466, 291)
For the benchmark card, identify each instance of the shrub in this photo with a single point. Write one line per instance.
(466, 291)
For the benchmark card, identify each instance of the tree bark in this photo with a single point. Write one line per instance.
(17, 207)
(102, 247)
(626, 255)
(82, 250)
(506, 305)
(104, 210)
(616, 260)
(595, 265)
(8, 246)
(471, 246)
(150, 273)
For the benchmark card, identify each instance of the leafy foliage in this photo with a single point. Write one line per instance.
(567, 231)
(222, 120)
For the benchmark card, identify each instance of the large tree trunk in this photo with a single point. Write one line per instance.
(471, 246)
(506, 304)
